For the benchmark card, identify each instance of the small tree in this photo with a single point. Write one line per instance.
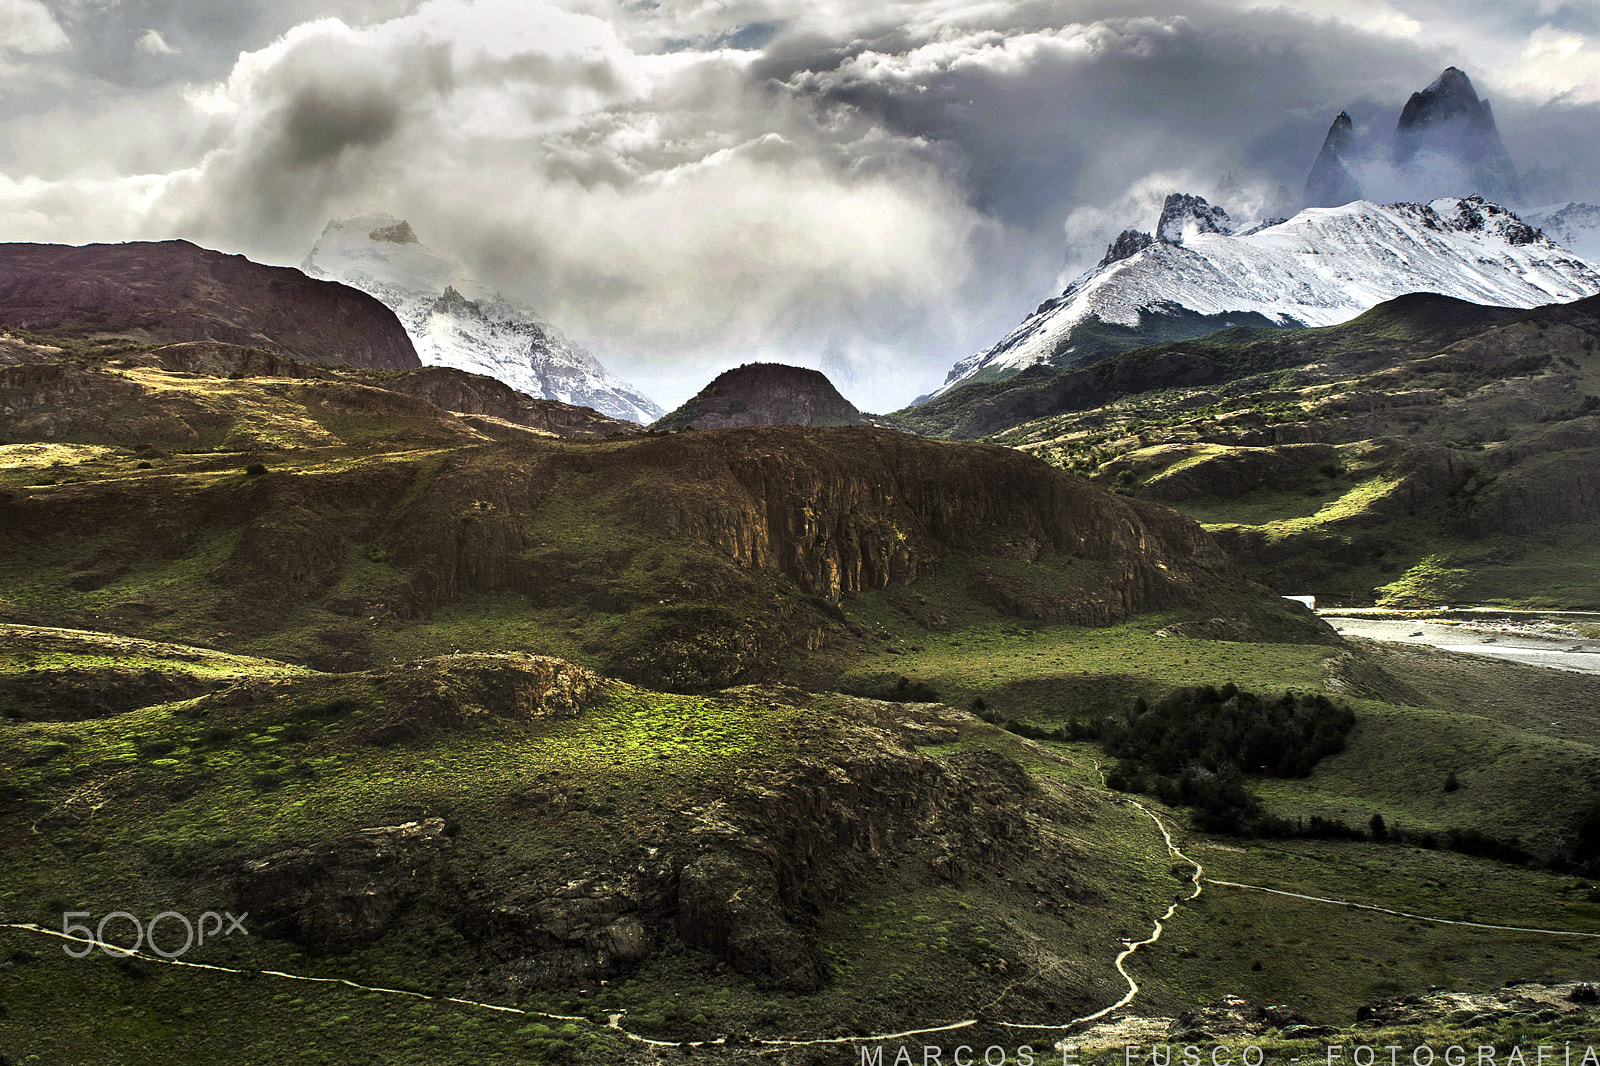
(1377, 829)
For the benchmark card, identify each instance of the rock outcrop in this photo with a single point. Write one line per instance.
(174, 291)
(1186, 216)
(1129, 243)
(344, 892)
(746, 878)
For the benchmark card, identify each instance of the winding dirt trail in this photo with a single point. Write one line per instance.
(614, 1020)
(1131, 946)
(763, 1046)
(1399, 914)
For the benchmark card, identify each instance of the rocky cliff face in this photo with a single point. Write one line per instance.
(344, 892)
(730, 551)
(174, 291)
(847, 511)
(765, 394)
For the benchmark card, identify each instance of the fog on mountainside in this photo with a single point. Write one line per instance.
(1445, 143)
(456, 321)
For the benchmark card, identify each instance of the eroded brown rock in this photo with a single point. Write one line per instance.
(344, 892)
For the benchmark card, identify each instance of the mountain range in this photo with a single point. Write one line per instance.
(456, 321)
(1198, 273)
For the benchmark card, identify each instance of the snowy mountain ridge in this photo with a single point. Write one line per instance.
(1572, 225)
(1321, 267)
(455, 320)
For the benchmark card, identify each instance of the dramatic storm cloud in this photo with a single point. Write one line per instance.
(683, 185)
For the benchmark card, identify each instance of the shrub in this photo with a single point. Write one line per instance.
(906, 690)
(256, 469)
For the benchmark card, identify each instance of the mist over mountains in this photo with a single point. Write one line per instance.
(1445, 143)
(456, 321)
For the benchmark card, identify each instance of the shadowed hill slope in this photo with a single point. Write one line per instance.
(120, 394)
(765, 394)
(1427, 452)
(173, 291)
(1390, 331)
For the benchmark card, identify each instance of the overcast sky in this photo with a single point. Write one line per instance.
(875, 189)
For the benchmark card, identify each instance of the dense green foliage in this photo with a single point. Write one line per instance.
(1193, 747)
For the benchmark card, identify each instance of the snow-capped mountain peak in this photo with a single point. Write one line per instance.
(1321, 267)
(455, 320)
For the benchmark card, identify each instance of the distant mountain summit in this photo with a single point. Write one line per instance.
(1444, 143)
(1448, 120)
(1198, 274)
(765, 394)
(1331, 183)
(457, 321)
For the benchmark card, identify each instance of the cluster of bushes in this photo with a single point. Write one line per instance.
(1464, 841)
(1193, 748)
(1212, 730)
(1196, 748)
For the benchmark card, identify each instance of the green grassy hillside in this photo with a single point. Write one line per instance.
(1428, 452)
(773, 742)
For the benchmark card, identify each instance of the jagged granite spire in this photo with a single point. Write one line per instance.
(1448, 119)
(1185, 215)
(1330, 183)
(1129, 243)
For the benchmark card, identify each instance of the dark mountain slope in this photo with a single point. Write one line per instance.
(174, 291)
(687, 560)
(121, 394)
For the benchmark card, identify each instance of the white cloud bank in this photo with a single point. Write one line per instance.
(688, 185)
